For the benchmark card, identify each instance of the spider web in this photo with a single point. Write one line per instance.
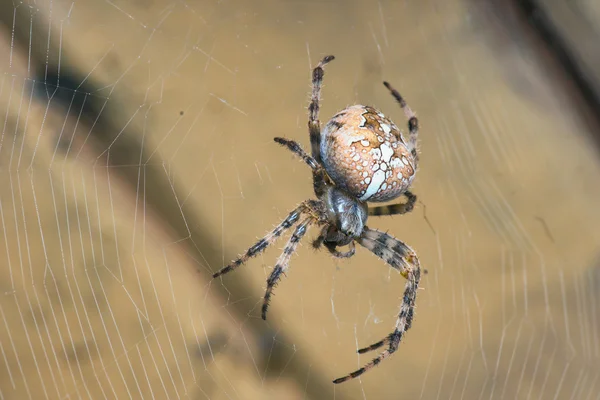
(136, 158)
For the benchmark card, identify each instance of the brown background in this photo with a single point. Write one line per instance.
(113, 218)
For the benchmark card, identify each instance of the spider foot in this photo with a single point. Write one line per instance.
(377, 345)
(351, 375)
(263, 313)
(388, 352)
(393, 340)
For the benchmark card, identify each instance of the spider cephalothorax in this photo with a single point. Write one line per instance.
(360, 156)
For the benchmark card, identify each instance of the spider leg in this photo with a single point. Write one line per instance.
(413, 122)
(314, 125)
(299, 151)
(332, 247)
(401, 257)
(283, 262)
(396, 209)
(267, 240)
(318, 242)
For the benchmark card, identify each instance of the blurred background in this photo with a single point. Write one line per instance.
(136, 159)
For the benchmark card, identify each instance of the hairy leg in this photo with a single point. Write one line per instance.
(314, 125)
(395, 209)
(413, 122)
(266, 241)
(299, 151)
(283, 262)
(401, 257)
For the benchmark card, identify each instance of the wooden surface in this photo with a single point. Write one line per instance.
(577, 24)
(114, 218)
(567, 31)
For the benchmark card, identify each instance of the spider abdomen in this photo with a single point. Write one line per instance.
(365, 154)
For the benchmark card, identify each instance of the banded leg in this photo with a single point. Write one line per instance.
(299, 151)
(413, 122)
(314, 125)
(267, 240)
(396, 209)
(401, 257)
(283, 262)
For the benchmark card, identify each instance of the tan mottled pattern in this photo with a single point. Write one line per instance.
(364, 153)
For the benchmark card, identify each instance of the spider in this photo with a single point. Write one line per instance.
(360, 156)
